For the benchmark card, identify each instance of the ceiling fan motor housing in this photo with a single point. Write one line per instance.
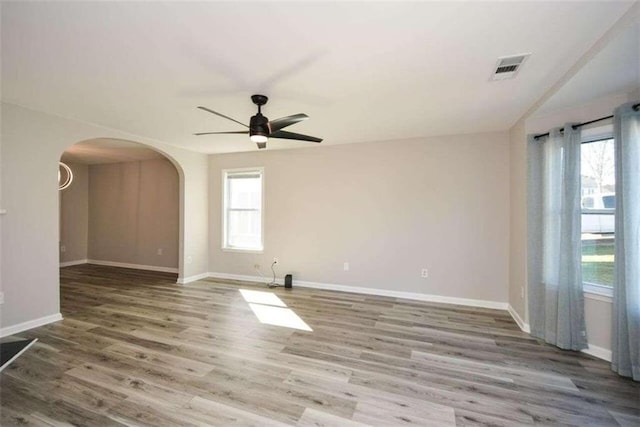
(259, 125)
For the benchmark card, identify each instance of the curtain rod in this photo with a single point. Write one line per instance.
(635, 107)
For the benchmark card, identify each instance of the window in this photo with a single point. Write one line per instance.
(598, 214)
(242, 227)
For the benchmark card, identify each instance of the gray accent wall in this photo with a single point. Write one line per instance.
(122, 212)
(133, 213)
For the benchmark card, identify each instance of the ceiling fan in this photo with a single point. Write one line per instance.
(261, 129)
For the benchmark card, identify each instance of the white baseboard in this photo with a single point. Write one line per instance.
(521, 323)
(593, 350)
(244, 278)
(371, 291)
(135, 266)
(599, 352)
(76, 262)
(405, 295)
(185, 280)
(24, 326)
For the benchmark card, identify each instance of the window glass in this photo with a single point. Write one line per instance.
(609, 201)
(598, 214)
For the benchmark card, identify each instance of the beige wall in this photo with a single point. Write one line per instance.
(74, 216)
(32, 143)
(518, 220)
(1, 221)
(133, 213)
(388, 209)
(598, 318)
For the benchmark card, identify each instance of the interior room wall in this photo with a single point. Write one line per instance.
(598, 317)
(74, 216)
(389, 209)
(518, 223)
(32, 143)
(2, 211)
(133, 213)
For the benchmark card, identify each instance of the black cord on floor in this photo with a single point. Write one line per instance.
(273, 283)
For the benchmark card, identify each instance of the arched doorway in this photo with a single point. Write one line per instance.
(122, 208)
(32, 143)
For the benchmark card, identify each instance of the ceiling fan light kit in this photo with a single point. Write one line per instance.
(261, 129)
(258, 138)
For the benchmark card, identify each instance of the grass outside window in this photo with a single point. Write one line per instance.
(597, 259)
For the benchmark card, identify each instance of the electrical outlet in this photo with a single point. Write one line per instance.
(346, 266)
(159, 251)
(425, 273)
(63, 248)
(275, 260)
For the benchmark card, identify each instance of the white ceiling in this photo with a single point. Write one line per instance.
(615, 69)
(361, 71)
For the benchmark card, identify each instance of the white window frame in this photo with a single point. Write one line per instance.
(595, 290)
(225, 194)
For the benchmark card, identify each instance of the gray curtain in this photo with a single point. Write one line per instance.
(556, 301)
(626, 291)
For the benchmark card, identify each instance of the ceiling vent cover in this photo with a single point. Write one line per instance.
(508, 66)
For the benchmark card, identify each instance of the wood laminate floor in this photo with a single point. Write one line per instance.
(134, 348)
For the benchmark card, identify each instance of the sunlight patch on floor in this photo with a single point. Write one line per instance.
(259, 297)
(271, 310)
(279, 316)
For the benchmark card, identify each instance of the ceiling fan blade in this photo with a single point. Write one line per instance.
(277, 124)
(222, 133)
(261, 145)
(290, 135)
(222, 115)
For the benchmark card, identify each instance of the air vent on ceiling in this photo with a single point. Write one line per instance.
(508, 66)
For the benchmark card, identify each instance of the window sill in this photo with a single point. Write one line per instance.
(243, 251)
(598, 292)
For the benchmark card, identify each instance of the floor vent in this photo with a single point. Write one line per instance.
(508, 66)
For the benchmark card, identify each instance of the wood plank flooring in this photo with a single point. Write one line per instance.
(134, 348)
